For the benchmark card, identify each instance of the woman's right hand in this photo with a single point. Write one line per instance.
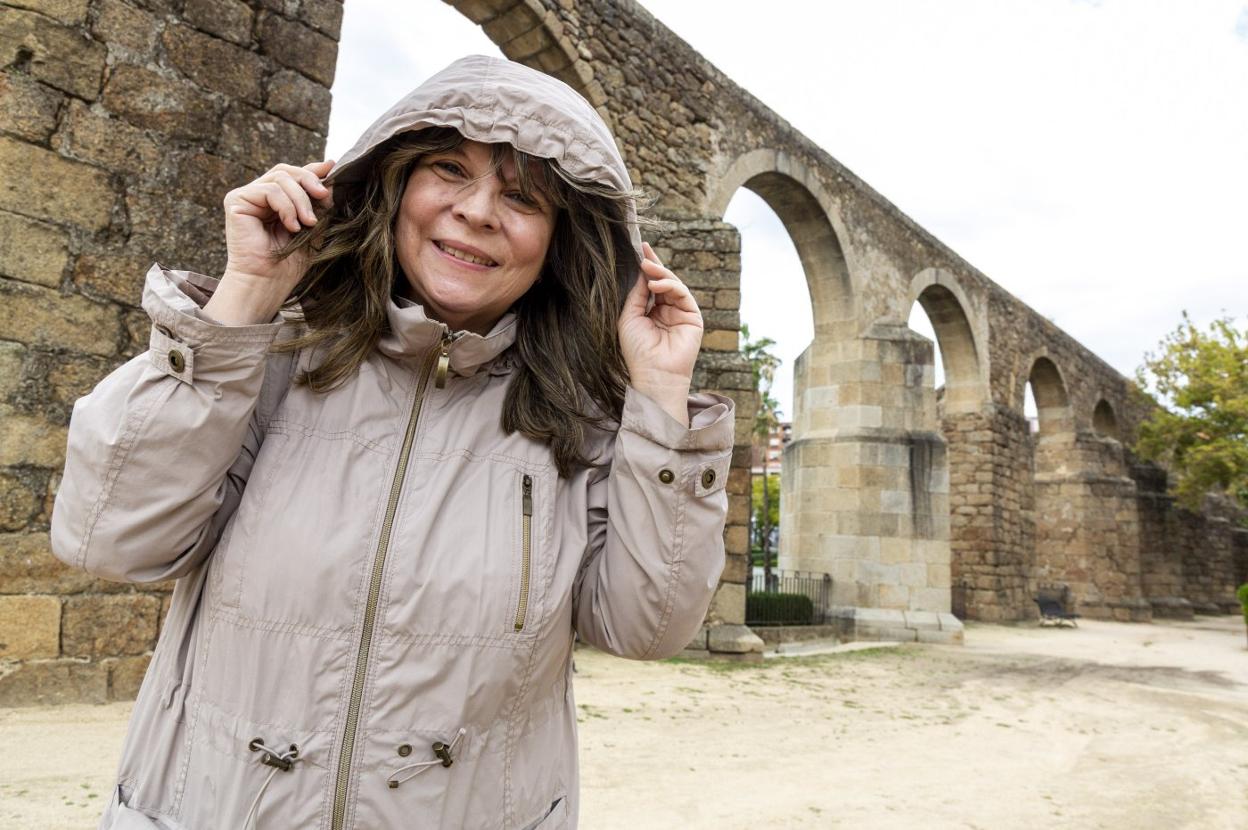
(260, 218)
(263, 215)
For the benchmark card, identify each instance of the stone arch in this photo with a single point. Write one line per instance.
(945, 304)
(1052, 400)
(807, 211)
(527, 32)
(1104, 421)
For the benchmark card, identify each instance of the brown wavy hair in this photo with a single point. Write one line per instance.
(571, 375)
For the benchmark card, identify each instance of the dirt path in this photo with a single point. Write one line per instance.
(1108, 726)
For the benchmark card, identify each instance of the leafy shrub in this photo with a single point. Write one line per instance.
(778, 609)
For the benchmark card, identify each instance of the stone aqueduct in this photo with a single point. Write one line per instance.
(123, 122)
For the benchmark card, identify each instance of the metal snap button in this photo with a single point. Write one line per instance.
(405, 750)
(176, 360)
(666, 476)
(708, 477)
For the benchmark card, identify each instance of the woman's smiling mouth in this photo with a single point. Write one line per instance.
(463, 256)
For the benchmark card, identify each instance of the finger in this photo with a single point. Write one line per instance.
(270, 195)
(654, 270)
(307, 178)
(638, 295)
(295, 191)
(673, 292)
(321, 169)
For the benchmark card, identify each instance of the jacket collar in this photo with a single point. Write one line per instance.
(413, 335)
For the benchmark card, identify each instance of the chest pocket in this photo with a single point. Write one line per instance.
(471, 551)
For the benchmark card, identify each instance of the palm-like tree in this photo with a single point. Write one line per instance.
(763, 365)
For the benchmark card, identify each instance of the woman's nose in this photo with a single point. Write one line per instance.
(477, 203)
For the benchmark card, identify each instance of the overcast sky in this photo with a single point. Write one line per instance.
(1090, 157)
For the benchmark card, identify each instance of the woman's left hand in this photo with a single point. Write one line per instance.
(660, 347)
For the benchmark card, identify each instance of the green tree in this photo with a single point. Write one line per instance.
(768, 502)
(1242, 596)
(763, 365)
(1200, 431)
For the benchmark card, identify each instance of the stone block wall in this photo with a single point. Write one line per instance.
(1239, 554)
(66, 636)
(1161, 565)
(868, 474)
(992, 522)
(1207, 546)
(122, 126)
(707, 255)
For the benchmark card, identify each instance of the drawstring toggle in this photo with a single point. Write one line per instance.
(440, 749)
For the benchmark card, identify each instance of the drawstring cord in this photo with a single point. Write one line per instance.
(443, 751)
(280, 761)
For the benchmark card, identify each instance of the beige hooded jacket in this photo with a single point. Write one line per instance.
(377, 589)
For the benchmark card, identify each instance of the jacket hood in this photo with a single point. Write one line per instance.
(490, 100)
(494, 100)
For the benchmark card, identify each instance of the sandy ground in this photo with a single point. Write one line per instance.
(1110, 725)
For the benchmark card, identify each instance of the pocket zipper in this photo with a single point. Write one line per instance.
(526, 549)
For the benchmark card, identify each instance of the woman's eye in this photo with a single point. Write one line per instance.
(450, 166)
(522, 199)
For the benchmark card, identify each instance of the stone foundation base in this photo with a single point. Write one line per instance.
(727, 639)
(889, 624)
(774, 635)
(1121, 610)
(1171, 608)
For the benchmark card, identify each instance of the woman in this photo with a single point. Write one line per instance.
(389, 514)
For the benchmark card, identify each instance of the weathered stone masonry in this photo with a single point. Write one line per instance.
(124, 122)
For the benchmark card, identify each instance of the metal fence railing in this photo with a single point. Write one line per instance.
(790, 598)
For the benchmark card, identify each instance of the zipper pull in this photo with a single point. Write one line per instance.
(444, 362)
(528, 495)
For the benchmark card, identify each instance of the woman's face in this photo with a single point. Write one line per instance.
(446, 206)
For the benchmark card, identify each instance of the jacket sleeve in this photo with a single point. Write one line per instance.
(656, 529)
(160, 450)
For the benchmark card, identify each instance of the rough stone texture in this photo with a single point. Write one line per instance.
(30, 627)
(63, 192)
(32, 440)
(323, 15)
(174, 108)
(141, 115)
(105, 626)
(32, 251)
(28, 567)
(66, 11)
(60, 56)
(125, 675)
(297, 99)
(19, 498)
(125, 26)
(261, 140)
(92, 136)
(299, 47)
(728, 605)
(733, 639)
(31, 314)
(214, 63)
(27, 108)
(228, 19)
(47, 682)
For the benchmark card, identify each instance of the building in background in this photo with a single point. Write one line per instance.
(780, 435)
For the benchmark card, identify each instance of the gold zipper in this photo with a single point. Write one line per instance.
(444, 362)
(525, 550)
(374, 591)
